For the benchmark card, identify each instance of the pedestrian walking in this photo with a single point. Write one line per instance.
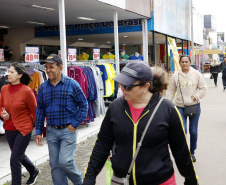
(141, 161)
(62, 102)
(190, 87)
(223, 68)
(214, 70)
(18, 109)
(7, 52)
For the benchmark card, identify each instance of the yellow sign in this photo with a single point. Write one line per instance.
(175, 53)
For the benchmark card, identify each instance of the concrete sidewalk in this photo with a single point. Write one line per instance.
(210, 153)
(39, 155)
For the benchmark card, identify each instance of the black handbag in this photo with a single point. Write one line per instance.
(191, 110)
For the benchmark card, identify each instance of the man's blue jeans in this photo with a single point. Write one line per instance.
(193, 127)
(62, 145)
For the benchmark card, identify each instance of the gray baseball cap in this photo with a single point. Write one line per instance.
(133, 71)
(52, 58)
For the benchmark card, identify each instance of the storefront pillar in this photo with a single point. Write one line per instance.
(153, 48)
(62, 35)
(116, 41)
(182, 45)
(187, 48)
(145, 39)
(167, 51)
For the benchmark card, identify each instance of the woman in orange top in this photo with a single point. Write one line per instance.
(18, 109)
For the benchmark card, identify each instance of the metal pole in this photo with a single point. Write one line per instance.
(192, 36)
(153, 50)
(116, 41)
(167, 50)
(187, 48)
(62, 35)
(182, 50)
(145, 39)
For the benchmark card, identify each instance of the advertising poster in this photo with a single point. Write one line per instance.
(72, 54)
(173, 47)
(96, 53)
(31, 54)
(1, 55)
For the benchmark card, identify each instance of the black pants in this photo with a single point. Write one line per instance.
(18, 144)
(224, 82)
(215, 76)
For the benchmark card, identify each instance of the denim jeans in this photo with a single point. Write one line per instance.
(62, 145)
(193, 127)
(18, 144)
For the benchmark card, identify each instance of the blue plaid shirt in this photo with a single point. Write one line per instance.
(63, 104)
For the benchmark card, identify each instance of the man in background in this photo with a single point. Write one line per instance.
(7, 52)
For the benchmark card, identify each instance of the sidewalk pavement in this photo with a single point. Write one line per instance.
(39, 155)
(210, 154)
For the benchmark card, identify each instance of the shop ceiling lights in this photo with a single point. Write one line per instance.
(125, 36)
(86, 18)
(80, 39)
(42, 7)
(108, 42)
(31, 22)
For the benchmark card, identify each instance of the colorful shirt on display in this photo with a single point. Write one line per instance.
(103, 75)
(106, 56)
(133, 57)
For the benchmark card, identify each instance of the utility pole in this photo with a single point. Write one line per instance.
(192, 36)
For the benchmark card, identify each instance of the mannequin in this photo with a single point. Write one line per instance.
(83, 56)
(136, 56)
(108, 55)
(124, 56)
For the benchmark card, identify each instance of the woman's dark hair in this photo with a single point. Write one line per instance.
(160, 81)
(182, 56)
(20, 69)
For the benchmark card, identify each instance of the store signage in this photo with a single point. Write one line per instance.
(96, 53)
(31, 54)
(72, 54)
(1, 55)
(132, 25)
(173, 47)
(172, 17)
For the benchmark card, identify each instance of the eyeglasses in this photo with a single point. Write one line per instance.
(186, 62)
(129, 87)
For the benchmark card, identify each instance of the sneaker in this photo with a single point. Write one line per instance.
(33, 178)
(193, 158)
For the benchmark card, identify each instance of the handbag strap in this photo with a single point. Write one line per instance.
(180, 88)
(142, 137)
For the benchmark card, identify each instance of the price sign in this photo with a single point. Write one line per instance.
(31, 54)
(72, 54)
(1, 54)
(96, 53)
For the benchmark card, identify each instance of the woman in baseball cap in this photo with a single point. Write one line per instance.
(124, 124)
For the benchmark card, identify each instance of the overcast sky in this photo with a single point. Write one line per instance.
(217, 8)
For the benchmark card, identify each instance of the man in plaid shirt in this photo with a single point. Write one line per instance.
(62, 102)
